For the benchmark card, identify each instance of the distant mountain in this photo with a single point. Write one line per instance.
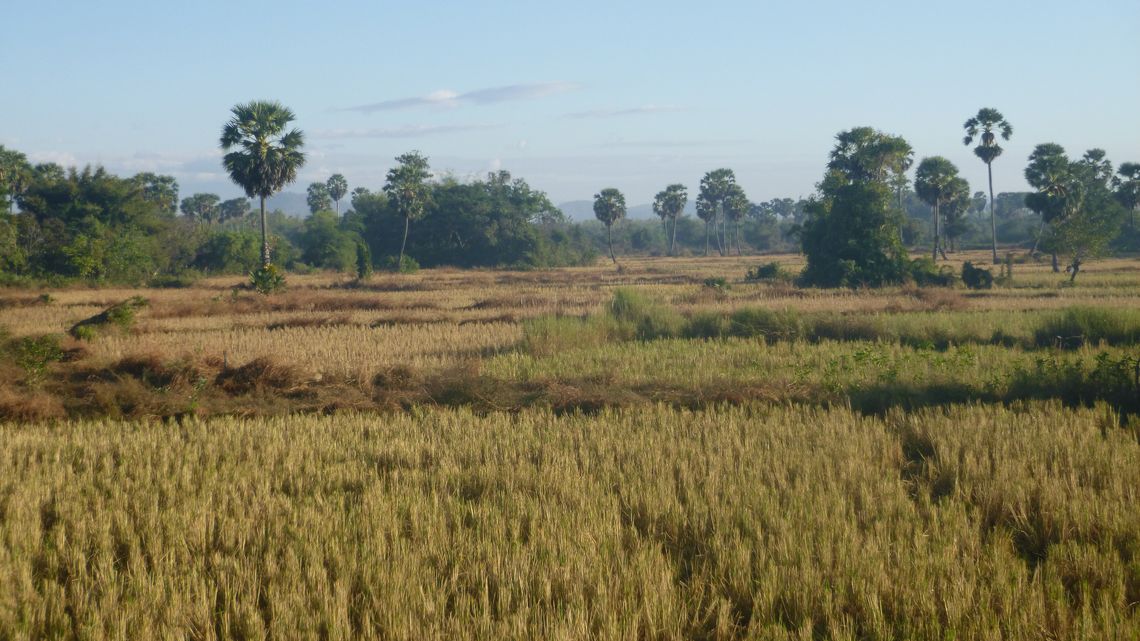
(582, 210)
(292, 203)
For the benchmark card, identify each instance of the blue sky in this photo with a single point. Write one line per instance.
(573, 97)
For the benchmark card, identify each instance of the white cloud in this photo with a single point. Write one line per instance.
(405, 131)
(450, 98)
(632, 111)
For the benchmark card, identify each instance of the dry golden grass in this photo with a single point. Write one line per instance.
(755, 522)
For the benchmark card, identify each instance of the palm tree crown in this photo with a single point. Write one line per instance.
(983, 125)
(265, 156)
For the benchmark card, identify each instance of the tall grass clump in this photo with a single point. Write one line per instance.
(642, 318)
(1078, 326)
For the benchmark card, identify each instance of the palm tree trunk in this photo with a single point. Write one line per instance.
(934, 246)
(706, 238)
(993, 216)
(403, 243)
(673, 240)
(1037, 241)
(610, 240)
(738, 239)
(264, 236)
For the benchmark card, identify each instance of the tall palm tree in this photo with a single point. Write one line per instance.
(265, 156)
(609, 207)
(408, 191)
(935, 182)
(669, 205)
(338, 187)
(984, 124)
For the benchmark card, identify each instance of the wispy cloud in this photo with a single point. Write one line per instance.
(652, 144)
(632, 111)
(406, 131)
(489, 95)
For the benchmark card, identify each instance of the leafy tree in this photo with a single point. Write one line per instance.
(851, 234)
(956, 211)
(669, 204)
(936, 182)
(161, 190)
(318, 198)
(609, 207)
(324, 244)
(408, 191)
(1128, 188)
(1076, 200)
(265, 156)
(337, 187)
(983, 126)
(15, 172)
(203, 207)
(866, 154)
(233, 209)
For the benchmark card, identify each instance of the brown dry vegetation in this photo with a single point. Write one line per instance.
(509, 455)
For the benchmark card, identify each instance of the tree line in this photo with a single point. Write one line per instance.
(90, 224)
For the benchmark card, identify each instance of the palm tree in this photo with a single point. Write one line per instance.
(935, 182)
(984, 123)
(337, 187)
(408, 191)
(669, 205)
(266, 157)
(609, 207)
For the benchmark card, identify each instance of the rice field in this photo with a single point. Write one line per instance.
(500, 455)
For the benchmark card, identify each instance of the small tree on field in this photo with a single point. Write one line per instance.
(609, 207)
(408, 192)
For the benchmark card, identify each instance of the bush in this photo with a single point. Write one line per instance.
(925, 273)
(267, 279)
(717, 283)
(34, 353)
(118, 316)
(976, 277)
(766, 272)
(363, 261)
(408, 266)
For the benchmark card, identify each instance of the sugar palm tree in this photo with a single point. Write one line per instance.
(669, 205)
(338, 187)
(609, 207)
(983, 126)
(264, 157)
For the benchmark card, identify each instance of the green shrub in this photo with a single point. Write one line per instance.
(976, 277)
(34, 353)
(408, 266)
(706, 324)
(767, 272)
(717, 282)
(268, 279)
(925, 273)
(363, 261)
(119, 316)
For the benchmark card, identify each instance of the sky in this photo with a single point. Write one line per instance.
(571, 96)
